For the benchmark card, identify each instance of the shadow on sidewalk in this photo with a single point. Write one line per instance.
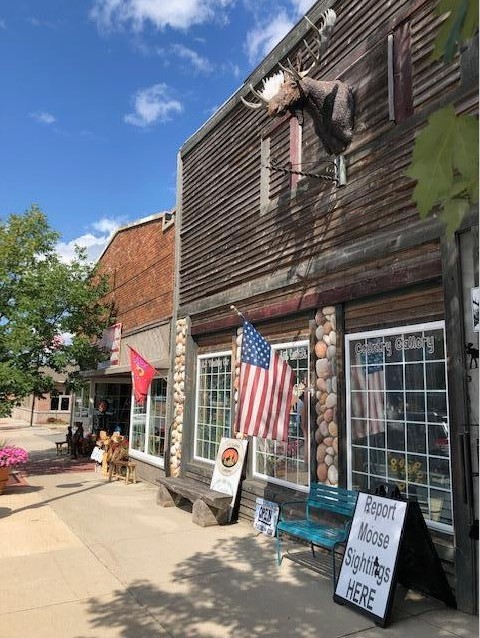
(47, 501)
(42, 463)
(238, 590)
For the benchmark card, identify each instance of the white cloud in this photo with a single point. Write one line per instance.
(153, 104)
(94, 242)
(197, 61)
(106, 226)
(262, 39)
(43, 117)
(302, 6)
(177, 14)
(36, 22)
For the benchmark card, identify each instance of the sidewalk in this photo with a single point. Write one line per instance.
(84, 558)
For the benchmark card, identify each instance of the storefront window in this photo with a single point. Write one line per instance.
(288, 463)
(213, 404)
(81, 405)
(148, 426)
(116, 397)
(397, 416)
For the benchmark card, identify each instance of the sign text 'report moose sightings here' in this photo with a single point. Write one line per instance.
(388, 542)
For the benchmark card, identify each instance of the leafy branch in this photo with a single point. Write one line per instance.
(445, 156)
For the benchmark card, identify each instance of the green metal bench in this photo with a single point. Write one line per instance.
(323, 519)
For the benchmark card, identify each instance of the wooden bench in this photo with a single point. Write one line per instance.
(209, 506)
(323, 519)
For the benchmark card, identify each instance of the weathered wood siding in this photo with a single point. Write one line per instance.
(229, 239)
(411, 305)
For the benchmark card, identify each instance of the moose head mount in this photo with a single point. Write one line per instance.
(330, 104)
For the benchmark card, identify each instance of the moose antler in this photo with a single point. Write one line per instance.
(321, 39)
(329, 103)
(272, 84)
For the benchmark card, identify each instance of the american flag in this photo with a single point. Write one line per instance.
(369, 402)
(266, 389)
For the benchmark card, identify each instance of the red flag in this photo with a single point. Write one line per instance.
(266, 388)
(142, 375)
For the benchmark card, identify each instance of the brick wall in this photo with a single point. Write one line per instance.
(139, 262)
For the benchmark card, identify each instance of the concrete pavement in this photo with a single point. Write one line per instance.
(84, 558)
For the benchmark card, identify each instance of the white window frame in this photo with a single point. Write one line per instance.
(428, 326)
(273, 479)
(158, 461)
(200, 357)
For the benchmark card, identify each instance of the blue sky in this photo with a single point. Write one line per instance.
(99, 95)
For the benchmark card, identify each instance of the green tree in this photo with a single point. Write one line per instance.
(445, 156)
(41, 300)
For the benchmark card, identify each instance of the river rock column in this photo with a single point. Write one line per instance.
(326, 433)
(178, 397)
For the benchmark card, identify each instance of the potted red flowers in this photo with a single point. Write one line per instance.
(10, 456)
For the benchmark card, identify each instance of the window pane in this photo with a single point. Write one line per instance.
(139, 426)
(393, 353)
(289, 462)
(377, 462)
(395, 409)
(395, 435)
(359, 404)
(399, 421)
(213, 411)
(394, 377)
(396, 466)
(417, 469)
(438, 440)
(412, 344)
(357, 353)
(54, 401)
(156, 425)
(359, 459)
(358, 379)
(435, 347)
(416, 437)
(439, 473)
(435, 376)
(376, 434)
(436, 406)
(360, 482)
(65, 403)
(414, 377)
(441, 506)
(359, 432)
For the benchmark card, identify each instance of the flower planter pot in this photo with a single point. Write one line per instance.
(4, 474)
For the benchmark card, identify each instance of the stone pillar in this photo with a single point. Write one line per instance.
(178, 397)
(326, 433)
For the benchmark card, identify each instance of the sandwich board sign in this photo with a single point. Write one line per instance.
(228, 468)
(389, 542)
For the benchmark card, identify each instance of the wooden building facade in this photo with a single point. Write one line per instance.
(332, 264)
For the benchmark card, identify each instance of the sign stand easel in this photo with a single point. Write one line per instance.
(389, 542)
